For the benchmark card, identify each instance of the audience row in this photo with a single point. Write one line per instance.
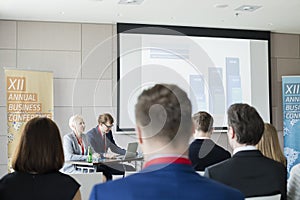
(164, 127)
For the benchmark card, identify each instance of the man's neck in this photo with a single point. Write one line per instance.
(100, 130)
(234, 144)
(202, 135)
(202, 138)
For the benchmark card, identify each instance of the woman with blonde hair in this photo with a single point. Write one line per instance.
(76, 144)
(269, 144)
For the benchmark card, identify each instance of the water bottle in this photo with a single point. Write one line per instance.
(89, 155)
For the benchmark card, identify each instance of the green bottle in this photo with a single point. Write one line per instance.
(90, 155)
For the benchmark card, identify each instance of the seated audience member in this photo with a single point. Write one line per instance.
(203, 152)
(248, 170)
(164, 127)
(36, 163)
(269, 144)
(293, 189)
(75, 144)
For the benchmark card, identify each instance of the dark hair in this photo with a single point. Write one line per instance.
(203, 121)
(164, 110)
(106, 117)
(246, 123)
(40, 147)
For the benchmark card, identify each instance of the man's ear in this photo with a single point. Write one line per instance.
(139, 134)
(193, 129)
(231, 132)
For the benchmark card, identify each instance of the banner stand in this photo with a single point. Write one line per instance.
(28, 94)
(291, 119)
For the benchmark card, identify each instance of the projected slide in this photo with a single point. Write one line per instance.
(197, 88)
(215, 72)
(234, 90)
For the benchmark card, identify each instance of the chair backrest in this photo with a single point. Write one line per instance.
(201, 173)
(128, 173)
(87, 181)
(270, 197)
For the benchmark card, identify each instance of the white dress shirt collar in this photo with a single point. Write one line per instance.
(244, 148)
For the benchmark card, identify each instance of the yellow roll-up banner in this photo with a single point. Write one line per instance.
(28, 94)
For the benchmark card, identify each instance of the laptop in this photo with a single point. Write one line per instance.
(130, 151)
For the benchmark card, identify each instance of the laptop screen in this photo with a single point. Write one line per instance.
(131, 150)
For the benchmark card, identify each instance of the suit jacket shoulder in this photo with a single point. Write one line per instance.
(252, 173)
(172, 181)
(204, 153)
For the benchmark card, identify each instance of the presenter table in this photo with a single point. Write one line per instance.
(91, 167)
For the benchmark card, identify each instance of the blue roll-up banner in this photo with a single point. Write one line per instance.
(291, 119)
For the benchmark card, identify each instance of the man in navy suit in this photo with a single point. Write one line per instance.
(164, 128)
(203, 152)
(248, 170)
(101, 139)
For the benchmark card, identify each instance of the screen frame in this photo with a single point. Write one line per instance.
(189, 31)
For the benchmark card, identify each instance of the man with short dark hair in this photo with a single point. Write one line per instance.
(248, 170)
(204, 152)
(164, 127)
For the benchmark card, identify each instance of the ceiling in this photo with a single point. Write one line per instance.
(281, 16)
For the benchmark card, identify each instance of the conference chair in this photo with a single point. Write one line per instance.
(87, 181)
(201, 173)
(270, 197)
(128, 173)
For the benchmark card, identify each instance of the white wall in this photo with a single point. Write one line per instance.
(83, 59)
